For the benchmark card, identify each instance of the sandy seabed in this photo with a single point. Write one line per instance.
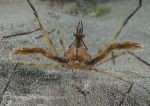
(34, 86)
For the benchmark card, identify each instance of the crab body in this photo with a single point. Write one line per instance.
(77, 53)
(77, 56)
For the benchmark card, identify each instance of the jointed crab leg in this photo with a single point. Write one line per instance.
(26, 51)
(124, 24)
(114, 57)
(46, 35)
(9, 80)
(139, 58)
(126, 21)
(61, 41)
(112, 47)
(38, 64)
(118, 55)
(114, 75)
(110, 58)
(22, 33)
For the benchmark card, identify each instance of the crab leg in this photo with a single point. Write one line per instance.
(61, 41)
(139, 58)
(12, 74)
(126, 21)
(116, 76)
(112, 47)
(110, 58)
(41, 64)
(46, 35)
(26, 51)
(22, 33)
(124, 24)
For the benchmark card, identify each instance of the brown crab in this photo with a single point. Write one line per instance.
(77, 57)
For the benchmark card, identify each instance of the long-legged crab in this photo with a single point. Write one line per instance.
(77, 56)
